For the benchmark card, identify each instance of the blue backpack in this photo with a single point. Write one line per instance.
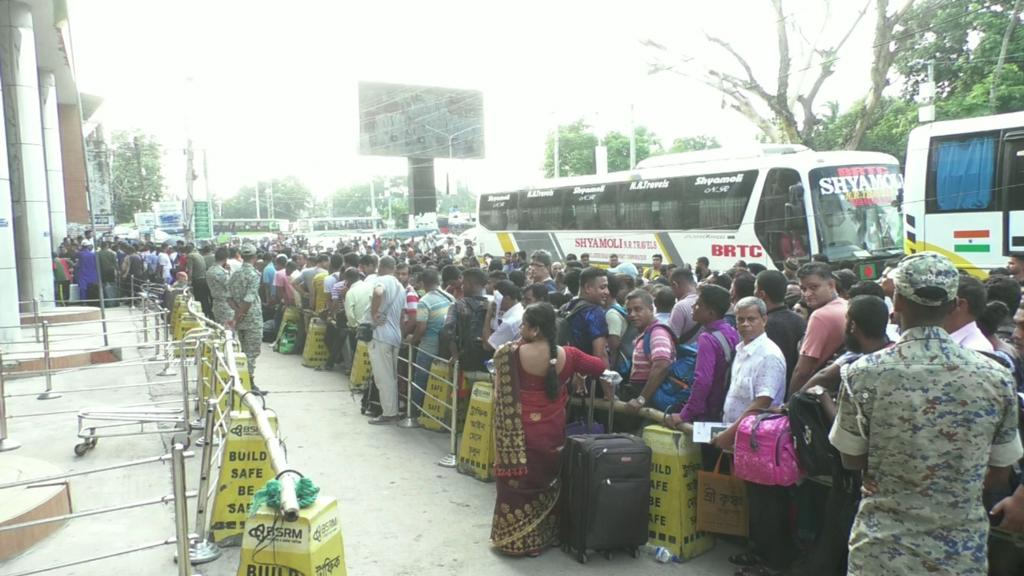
(675, 389)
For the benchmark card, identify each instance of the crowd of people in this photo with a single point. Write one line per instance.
(917, 375)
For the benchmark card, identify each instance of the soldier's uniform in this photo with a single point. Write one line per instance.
(244, 287)
(217, 279)
(931, 416)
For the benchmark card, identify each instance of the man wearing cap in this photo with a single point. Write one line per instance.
(930, 424)
(244, 298)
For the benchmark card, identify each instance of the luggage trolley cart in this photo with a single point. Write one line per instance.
(149, 418)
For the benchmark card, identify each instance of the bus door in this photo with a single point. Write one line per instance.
(1012, 186)
(781, 221)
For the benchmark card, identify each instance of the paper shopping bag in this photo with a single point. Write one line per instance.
(721, 503)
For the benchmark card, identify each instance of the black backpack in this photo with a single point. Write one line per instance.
(469, 333)
(810, 426)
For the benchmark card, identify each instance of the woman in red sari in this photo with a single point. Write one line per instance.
(530, 396)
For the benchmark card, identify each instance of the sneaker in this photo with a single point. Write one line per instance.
(377, 420)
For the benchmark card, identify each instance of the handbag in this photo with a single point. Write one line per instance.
(364, 333)
(765, 452)
(722, 503)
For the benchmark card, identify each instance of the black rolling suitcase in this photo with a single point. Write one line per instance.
(606, 490)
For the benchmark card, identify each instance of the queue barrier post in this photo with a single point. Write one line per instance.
(6, 444)
(203, 550)
(451, 460)
(169, 369)
(48, 394)
(180, 510)
(183, 369)
(409, 421)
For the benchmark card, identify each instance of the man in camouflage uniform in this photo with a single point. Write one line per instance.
(244, 298)
(929, 423)
(217, 280)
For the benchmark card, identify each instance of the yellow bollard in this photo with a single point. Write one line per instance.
(361, 371)
(244, 468)
(476, 452)
(310, 546)
(315, 353)
(439, 397)
(672, 517)
(292, 314)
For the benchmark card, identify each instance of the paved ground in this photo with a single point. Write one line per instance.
(401, 514)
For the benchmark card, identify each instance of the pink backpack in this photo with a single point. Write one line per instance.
(765, 452)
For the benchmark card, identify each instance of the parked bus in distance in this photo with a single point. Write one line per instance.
(345, 224)
(249, 226)
(762, 205)
(965, 190)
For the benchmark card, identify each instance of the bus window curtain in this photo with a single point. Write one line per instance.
(964, 173)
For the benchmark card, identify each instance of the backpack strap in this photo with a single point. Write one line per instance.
(861, 420)
(689, 334)
(724, 343)
(647, 337)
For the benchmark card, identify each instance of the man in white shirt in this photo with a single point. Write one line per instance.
(165, 264)
(511, 310)
(387, 304)
(971, 298)
(758, 383)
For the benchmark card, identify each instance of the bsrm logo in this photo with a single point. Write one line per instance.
(262, 532)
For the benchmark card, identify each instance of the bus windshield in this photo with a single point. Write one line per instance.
(856, 209)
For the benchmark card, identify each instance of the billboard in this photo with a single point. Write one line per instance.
(420, 121)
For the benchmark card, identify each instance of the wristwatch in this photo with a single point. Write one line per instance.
(641, 400)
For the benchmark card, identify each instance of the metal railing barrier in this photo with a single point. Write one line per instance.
(449, 460)
(179, 498)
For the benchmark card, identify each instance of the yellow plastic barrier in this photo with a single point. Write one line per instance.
(314, 352)
(320, 298)
(185, 323)
(476, 453)
(438, 397)
(310, 546)
(291, 314)
(672, 518)
(177, 311)
(361, 371)
(244, 468)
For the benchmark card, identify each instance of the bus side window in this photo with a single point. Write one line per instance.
(780, 223)
(1013, 173)
(961, 173)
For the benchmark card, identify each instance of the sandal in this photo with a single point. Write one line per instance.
(745, 559)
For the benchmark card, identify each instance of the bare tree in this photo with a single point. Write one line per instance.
(747, 95)
(884, 51)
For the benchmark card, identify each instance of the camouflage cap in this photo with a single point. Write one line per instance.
(927, 278)
(247, 250)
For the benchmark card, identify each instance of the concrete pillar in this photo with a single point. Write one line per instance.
(22, 117)
(54, 160)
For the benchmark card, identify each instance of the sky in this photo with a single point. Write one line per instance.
(269, 89)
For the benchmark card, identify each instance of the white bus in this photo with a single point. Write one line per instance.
(344, 224)
(764, 206)
(965, 190)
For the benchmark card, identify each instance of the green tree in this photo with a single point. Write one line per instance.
(647, 144)
(291, 200)
(576, 142)
(137, 181)
(694, 143)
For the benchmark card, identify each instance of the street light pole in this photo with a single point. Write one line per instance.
(451, 139)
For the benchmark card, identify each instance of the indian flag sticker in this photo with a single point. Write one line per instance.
(971, 241)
